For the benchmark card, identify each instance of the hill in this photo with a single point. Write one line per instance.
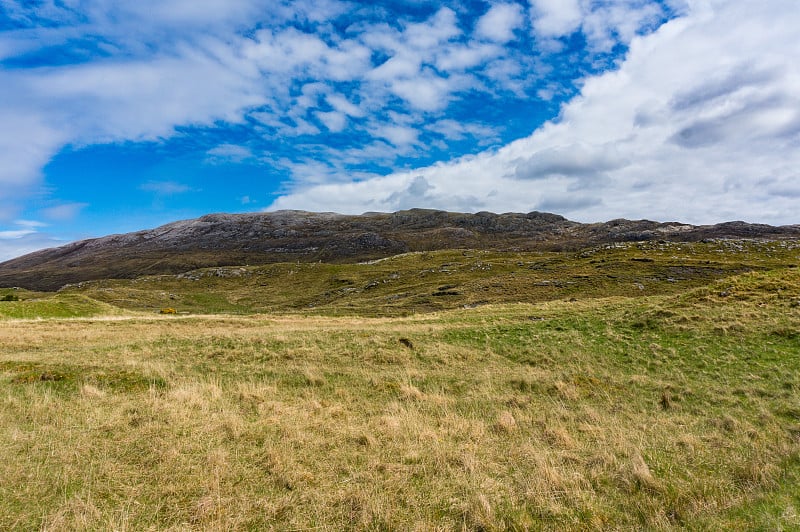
(639, 385)
(449, 279)
(219, 240)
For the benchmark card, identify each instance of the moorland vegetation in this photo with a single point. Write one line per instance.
(639, 385)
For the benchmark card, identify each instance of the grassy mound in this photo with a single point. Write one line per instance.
(67, 305)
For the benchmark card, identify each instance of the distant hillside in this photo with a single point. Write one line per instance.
(288, 236)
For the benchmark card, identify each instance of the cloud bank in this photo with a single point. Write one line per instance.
(700, 123)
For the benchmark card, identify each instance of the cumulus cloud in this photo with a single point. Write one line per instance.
(576, 160)
(399, 136)
(604, 24)
(414, 194)
(554, 18)
(499, 23)
(459, 58)
(426, 92)
(699, 123)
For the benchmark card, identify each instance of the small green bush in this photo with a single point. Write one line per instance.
(9, 297)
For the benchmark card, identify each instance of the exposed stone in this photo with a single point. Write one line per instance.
(225, 240)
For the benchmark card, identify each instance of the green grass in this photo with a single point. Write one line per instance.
(432, 281)
(55, 306)
(588, 406)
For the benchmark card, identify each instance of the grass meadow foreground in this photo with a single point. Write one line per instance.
(669, 411)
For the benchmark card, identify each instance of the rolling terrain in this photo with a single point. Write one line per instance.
(440, 280)
(639, 383)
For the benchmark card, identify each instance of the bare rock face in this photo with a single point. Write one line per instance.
(260, 238)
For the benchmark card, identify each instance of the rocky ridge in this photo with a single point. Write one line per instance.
(287, 236)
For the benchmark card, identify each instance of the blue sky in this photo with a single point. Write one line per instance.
(118, 116)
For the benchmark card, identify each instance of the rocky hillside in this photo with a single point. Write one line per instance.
(284, 236)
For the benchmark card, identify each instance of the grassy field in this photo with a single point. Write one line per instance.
(434, 281)
(593, 405)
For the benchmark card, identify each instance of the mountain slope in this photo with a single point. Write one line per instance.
(287, 236)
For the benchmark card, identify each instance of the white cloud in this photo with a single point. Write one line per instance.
(291, 51)
(409, 73)
(603, 23)
(399, 66)
(426, 92)
(16, 246)
(64, 212)
(186, 12)
(427, 36)
(343, 105)
(30, 224)
(377, 151)
(310, 172)
(333, 120)
(400, 136)
(573, 160)
(140, 100)
(301, 127)
(499, 23)
(699, 124)
(19, 233)
(616, 22)
(415, 194)
(454, 130)
(460, 58)
(27, 143)
(554, 18)
(229, 153)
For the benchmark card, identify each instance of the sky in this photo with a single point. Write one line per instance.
(120, 116)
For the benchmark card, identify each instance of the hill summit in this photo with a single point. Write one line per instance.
(289, 236)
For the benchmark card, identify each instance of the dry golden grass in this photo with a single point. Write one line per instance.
(490, 421)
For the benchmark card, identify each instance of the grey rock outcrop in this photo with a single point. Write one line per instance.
(282, 236)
